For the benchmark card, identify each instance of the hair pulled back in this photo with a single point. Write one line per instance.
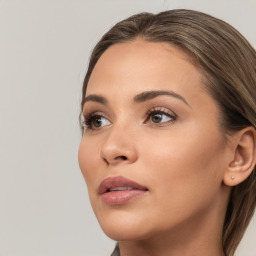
(228, 63)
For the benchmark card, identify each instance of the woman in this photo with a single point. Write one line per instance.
(169, 140)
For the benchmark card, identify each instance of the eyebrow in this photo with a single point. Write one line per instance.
(96, 98)
(148, 95)
(142, 97)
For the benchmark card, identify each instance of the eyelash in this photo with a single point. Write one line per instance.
(161, 111)
(87, 124)
(88, 121)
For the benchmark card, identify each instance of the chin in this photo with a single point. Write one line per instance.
(126, 234)
(124, 228)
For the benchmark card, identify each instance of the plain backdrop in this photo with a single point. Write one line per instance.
(44, 50)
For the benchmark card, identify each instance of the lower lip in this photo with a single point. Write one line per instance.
(121, 197)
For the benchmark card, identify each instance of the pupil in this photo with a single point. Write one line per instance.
(157, 118)
(97, 122)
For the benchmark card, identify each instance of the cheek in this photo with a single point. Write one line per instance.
(88, 162)
(183, 179)
(186, 164)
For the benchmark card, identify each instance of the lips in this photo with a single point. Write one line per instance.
(119, 190)
(119, 183)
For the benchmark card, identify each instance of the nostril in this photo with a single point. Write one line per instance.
(122, 157)
(115, 160)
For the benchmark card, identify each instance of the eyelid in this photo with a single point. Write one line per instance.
(88, 118)
(160, 110)
(96, 113)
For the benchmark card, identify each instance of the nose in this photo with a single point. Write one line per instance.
(119, 147)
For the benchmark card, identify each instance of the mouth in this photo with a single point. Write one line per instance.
(120, 190)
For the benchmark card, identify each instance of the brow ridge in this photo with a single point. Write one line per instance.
(95, 98)
(148, 95)
(142, 97)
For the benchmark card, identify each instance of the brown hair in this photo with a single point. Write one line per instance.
(228, 62)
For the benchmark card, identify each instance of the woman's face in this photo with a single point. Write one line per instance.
(152, 153)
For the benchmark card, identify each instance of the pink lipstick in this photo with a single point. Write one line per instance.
(119, 190)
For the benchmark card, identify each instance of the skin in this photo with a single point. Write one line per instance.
(182, 160)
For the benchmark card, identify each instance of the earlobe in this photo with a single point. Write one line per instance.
(244, 157)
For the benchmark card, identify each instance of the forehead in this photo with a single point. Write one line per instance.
(133, 67)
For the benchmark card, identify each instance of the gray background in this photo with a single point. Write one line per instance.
(44, 50)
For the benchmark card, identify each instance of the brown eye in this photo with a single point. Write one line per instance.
(156, 118)
(94, 121)
(97, 122)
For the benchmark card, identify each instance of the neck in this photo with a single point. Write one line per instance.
(166, 248)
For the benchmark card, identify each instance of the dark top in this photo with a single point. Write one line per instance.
(116, 252)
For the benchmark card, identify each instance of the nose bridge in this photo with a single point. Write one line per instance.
(119, 144)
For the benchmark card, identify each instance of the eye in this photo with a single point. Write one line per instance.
(160, 116)
(95, 121)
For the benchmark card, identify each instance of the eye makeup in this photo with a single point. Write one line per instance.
(155, 116)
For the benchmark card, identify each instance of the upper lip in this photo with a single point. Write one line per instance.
(114, 182)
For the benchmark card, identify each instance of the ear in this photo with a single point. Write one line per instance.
(243, 157)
